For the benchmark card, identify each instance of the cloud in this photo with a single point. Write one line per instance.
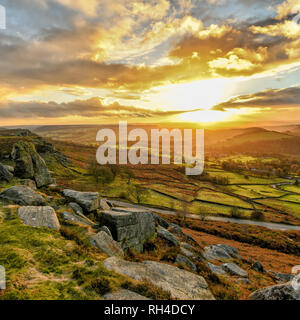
(91, 108)
(288, 29)
(287, 8)
(283, 98)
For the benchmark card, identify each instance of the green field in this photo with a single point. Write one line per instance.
(222, 198)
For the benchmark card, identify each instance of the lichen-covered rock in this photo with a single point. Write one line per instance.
(77, 219)
(28, 183)
(129, 226)
(175, 228)
(106, 230)
(186, 252)
(182, 260)
(107, 244)
(23, 196)
(39, 217)
(181, 284)
(123, 294)
(75, 207)
(5, 174)
(160, 221)
(232, 251)
(234, 270)
(216, 269)
(88, 201)
(218, 252)
(279, 292)
(11, 169)
(104, 205)
(257, 266)
(29, 164)
(167, 235)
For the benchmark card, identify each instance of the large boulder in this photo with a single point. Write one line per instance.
(29, 164)
(107, 244)
(23, 196)
(129, 226)
(167, 235)
(88, 201)
(234, 270)
(39, 217)
(5, 174)
(181, 284)
(278, 292)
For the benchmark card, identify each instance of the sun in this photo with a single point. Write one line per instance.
(201, 94)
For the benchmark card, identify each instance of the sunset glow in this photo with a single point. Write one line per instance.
(149, 61)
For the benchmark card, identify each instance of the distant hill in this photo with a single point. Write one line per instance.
(259, 141)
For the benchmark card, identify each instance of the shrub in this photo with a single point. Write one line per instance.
(100, 286)
(147, 289)
(235, 212)
(257, 215)
(170, 255)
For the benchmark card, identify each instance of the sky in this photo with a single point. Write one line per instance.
(209, 62)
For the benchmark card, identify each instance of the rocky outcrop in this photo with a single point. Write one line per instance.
(234, 270)
(29, 164)
(123, 294)
(104, 205)
(76, 208)
(160, 221)
(10, 168)
(184, 261)
(107, 244)
(88, 201)
(5, 174)
(278, 292)
(130, 227)
(186, 252)
(220, 252)
(106, 230)
(23, 196)
(257, 266)
(77, 219)
(181, 284)
(216, 269)
(28, 183)
(175, 228)
(167, 235)
(39, 217)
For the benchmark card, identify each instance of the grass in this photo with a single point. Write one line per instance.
(264, 191)
(283, 206)
(221, 198)
(39, 262)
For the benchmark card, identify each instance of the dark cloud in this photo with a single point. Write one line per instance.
(269, 98)
(93, 107)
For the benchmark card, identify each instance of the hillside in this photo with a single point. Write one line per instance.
(72, 250)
